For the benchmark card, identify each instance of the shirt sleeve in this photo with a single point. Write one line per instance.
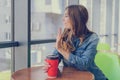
(84, 61)
(55, 52)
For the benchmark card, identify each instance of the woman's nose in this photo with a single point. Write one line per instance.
(63, 19)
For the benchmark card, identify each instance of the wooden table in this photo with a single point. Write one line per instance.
(37, 73)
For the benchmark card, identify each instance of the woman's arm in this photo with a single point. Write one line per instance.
(83, 62)
(55, 52)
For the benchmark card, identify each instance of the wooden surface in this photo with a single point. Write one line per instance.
(37, 73)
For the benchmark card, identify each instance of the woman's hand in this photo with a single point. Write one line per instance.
(59, 39)
(61, 50)
(46, 66)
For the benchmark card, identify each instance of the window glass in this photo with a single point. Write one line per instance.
(89, 5)
(5, 64)
(48, 2)
(39, 53)
(5, 35)
(46, 18)
(5, 20)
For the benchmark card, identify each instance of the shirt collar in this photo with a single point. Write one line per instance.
(74, 38)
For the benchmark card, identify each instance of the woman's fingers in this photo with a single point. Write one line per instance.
(58, 38)
(59, 34)
(46, 66)
(59, 31)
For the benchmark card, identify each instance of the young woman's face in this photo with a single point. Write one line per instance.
(66, 20)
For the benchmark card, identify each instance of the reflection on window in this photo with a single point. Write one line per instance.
(5, 20)
(36, 27)
(6, 3)
(46, 18)
(5, 36)
(39, 53)
(5, 64)
(48, 2)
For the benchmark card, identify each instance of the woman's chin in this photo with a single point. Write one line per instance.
(67, 28)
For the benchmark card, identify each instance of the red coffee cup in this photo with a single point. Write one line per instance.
(53, 62)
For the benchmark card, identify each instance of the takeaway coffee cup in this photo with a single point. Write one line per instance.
(53, 62)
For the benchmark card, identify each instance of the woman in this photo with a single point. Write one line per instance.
(76, 46)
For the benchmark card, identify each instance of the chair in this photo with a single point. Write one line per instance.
(109, 64)
(103, 46)
(119, 59)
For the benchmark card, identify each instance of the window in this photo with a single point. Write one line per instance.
(5, 21)
(5, 35)
(48, 2)
(103, 19)
(5, 64)
(44, 26)
(39, 53)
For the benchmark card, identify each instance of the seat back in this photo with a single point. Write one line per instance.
(103, 46)
(109, 64)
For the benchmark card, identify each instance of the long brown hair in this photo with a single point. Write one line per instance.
(78, 15)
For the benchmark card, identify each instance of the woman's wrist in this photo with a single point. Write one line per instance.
(66, 55)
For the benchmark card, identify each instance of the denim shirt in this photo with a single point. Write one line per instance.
(82, 58)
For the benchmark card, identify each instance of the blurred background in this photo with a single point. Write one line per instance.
(28, 29)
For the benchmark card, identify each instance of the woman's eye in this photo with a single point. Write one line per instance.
(66, 16)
